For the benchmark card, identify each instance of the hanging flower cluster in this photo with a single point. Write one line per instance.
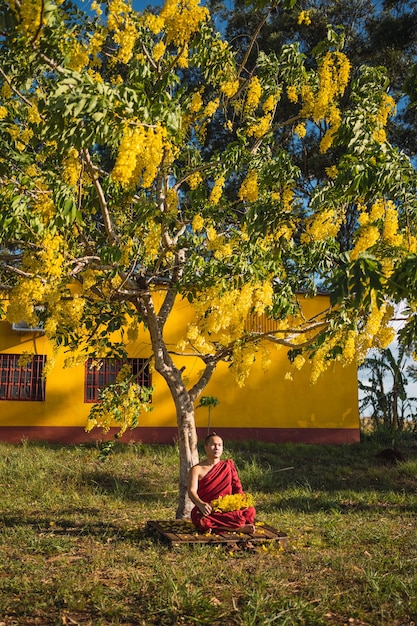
(140, 154)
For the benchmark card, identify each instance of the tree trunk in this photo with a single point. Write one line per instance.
(188, 451)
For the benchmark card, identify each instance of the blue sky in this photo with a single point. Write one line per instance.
(138, 5)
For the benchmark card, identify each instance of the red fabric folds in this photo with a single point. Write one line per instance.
(221, 480)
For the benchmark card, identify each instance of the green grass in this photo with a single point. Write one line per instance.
(75, 549)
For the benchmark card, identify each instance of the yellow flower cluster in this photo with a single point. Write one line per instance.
(230, 87)
(23, 298)
(253, 95)
(152, 242)
(121, 407)
(158, 50)
(217, 190)
(222, 317)
(44, 205)
(380, 135)
(390, 229)
(34, 116)
(171, 201)
(125, 33)
(96, 43)
(334, 119)
(261, 127)
(140, 154)
(349, 353)
(63, 312)
(304, 18)
(292, 94)
(196, 102)
(118, 10)
(323, 225)
(155, 23)
(126, 38)
(368, 236)
(233, 502)
(3, 112)
(194, 180)
(31, 15)
(182, 19)
(332, 171)
(382, 212)
(212, 107)
(51, 257)
(299, 361)
(386, 109)
(249, 188)
(377, 332)
(78, 56)
(71, 167)
(300, 130)
(197, 223)
(334, 74)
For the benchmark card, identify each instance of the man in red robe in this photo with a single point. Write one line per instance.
(210, 479)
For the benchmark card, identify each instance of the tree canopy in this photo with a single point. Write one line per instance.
(142, 153)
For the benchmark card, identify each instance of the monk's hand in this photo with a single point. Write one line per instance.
(205, 508)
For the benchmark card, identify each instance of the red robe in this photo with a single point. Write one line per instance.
(221, 480)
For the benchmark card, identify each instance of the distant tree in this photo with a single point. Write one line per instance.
(144, 158)
(384, 394)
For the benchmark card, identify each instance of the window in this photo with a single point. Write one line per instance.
(97, 378)
(22, 382)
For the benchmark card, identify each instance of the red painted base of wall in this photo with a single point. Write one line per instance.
(72, 434)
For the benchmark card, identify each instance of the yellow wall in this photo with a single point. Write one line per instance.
(267, 401)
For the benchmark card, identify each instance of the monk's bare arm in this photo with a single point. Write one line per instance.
(193, 476)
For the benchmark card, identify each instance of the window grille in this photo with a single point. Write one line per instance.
(24, 383)
(99, 376)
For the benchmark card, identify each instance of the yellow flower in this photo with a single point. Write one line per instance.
(269, 104)
(254, 94)
(198, 223)
(380, 135)
(261, 127)
(196, 102)
(230, 87)
(304, 18)
(212, 107)
(194, 180)
(292, 94)
(158, 50)
(300, 130)
(332, 171)
(182, 19)
(217, 190)
(232, 502)
(249, 188)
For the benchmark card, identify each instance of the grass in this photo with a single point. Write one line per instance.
(74, 547)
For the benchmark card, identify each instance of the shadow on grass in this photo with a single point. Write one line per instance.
(145, 490)
(64, 524)
(323, 502)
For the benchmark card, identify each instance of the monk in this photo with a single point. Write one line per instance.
(210, 479)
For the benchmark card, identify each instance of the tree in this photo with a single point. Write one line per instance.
(375, 34)
(385, 392)
(116, 192)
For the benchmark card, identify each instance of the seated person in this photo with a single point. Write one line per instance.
(210, 479)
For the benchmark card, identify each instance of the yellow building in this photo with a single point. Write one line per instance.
(268, 408)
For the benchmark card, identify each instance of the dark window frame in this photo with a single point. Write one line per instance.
(96, 378)
(22, 383)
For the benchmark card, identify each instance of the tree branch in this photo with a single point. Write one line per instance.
(101, 197)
